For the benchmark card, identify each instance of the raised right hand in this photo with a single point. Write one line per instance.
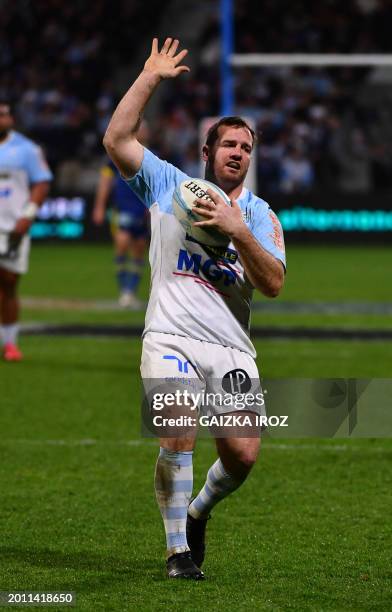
(165, 63)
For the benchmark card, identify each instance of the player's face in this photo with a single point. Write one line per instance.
(230, 157)
(6, 120)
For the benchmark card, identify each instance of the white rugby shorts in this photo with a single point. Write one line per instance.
(20, 264)
(187, 362)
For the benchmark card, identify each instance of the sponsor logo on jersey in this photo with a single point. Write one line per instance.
(194, 263)
(277, 234)
(218, 252)
(5, 192)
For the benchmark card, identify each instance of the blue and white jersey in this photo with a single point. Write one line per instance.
(195, 292)
(21, 164)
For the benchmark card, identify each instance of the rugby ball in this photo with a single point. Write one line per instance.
(183, 206)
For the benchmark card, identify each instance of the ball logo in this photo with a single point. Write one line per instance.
(197, 191)
(236, 381)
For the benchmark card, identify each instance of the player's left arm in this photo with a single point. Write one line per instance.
(38, 194)
(264, 270)
(39, 176)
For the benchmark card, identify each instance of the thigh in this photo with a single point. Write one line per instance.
(167, 355)
(171, 388)
(233, 379)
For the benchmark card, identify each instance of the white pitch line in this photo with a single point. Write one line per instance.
(150, 442)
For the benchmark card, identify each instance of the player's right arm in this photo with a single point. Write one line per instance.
(120, 139)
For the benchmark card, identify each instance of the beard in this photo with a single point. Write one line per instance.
(209, 173)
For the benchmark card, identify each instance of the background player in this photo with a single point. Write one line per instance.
(130, 228)
(130, 225)
(205, 324)
(24, 185)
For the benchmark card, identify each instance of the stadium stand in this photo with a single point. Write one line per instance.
(319, 128)
(64, 82)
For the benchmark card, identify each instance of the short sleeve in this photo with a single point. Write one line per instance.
(268, 231)
(154, 178)
(36, 165)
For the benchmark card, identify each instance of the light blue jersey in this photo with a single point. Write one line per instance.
(21, 165)
(196, 293)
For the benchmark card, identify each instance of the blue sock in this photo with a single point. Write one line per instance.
(134, 274)
(173, 490)
(121, 263)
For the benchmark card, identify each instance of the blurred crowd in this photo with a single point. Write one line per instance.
(317, 129)
(327, 26)
(58, 63)
(315, 132)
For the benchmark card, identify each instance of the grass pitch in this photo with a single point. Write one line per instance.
(309, 530)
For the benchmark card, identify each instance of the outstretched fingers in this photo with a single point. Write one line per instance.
(178, 58)
(165, 61)
(174, 46)
(166, 46)
(180, 69)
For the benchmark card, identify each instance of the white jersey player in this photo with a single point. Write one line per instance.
(197, 322)
(24, 184)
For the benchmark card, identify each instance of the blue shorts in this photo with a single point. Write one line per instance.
(137, 225)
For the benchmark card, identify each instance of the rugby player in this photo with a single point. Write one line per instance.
(24, 185)
(197, 319)
(130, 228)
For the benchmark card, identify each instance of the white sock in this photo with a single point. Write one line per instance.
(173, 489)
(219, 484)
(10, 333)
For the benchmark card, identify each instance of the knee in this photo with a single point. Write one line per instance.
(241, 462)
(238, 455)
(245, 459)
(178, 445)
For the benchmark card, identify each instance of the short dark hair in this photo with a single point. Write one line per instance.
(234, 121)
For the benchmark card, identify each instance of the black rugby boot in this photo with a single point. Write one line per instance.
(181, 565)
(196, 535)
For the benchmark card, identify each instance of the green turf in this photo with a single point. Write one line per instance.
(333, 274)
(314, 273)
(73, 271)
(121, 317)
(308, 531)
